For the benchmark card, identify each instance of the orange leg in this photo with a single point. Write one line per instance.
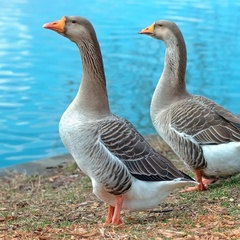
(110, 214)
(201, 186)
(118, 207)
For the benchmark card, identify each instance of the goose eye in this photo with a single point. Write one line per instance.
(73, 21)
(160, 25)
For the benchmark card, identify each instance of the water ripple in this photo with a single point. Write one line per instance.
(40, 71)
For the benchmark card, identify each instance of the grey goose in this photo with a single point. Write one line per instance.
(202, 133)
(125, 171)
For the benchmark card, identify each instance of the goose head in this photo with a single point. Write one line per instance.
(77, 29)
(162, 30)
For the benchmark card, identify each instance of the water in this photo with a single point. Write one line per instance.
(40, 70)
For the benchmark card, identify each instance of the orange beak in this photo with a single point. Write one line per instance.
(147, 30)
(57, 26)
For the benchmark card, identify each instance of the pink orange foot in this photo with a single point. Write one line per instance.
(110, 214)
(113, 216)
(118, 207)
(201, 186)
(196, 188)
(207, 182)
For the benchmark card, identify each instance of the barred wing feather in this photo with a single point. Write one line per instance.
(143, 162)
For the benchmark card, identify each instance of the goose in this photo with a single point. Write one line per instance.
(205, 135)
(125, 171)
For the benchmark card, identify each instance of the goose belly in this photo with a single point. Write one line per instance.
(142, 195)
(222, 160)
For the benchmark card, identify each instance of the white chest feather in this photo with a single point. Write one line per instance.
(77, 134)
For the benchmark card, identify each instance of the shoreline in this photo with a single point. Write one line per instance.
(47, 165)
(39, 167)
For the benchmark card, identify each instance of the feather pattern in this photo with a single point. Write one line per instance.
(143, 162)
(203, 122)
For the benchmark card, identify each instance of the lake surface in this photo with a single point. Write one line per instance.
(40, 71)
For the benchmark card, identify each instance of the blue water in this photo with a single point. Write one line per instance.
(40, 70)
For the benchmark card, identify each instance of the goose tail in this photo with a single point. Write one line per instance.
(187, 178)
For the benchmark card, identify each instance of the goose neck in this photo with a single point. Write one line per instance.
(92, 95)
(171, 86)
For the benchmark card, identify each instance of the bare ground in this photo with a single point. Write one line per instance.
(60, 205)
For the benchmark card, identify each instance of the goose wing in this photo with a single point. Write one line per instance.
(221, 111)
(143, 162)
(205, 121)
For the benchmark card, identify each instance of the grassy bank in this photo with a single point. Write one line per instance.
(61, 205)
